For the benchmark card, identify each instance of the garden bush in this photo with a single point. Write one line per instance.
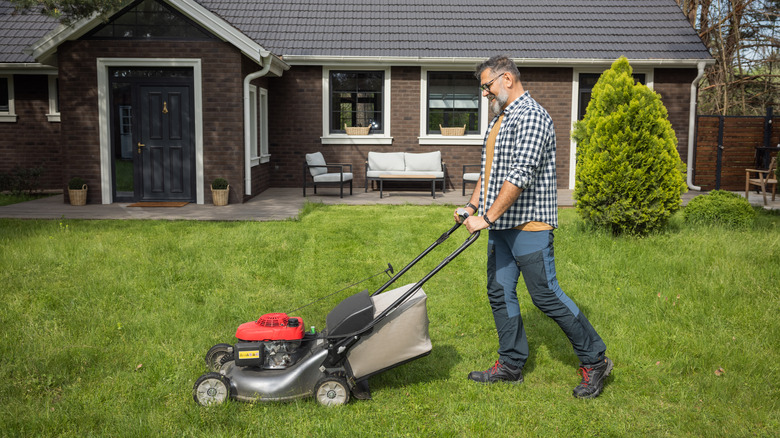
(629, 174)
(720, 207)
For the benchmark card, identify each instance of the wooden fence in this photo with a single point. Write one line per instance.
(727, 145)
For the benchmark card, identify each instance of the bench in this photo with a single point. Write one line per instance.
(406, 166)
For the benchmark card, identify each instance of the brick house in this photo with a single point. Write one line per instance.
(160, 98)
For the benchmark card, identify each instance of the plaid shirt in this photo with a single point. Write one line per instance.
(525, 156)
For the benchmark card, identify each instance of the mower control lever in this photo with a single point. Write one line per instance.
(462, 214)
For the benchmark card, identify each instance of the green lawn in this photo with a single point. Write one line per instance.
(105, 325)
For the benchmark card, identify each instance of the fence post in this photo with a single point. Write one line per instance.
(719, 160)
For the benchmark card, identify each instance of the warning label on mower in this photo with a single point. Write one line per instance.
(255, 354)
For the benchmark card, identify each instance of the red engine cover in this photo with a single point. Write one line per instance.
(272, 327)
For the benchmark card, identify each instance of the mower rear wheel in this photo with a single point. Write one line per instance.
(218, 355)
(332, 391)
(211, 389)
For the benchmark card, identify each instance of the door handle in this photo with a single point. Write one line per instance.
(140, 145)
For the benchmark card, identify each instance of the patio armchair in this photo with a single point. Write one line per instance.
(316, 169)
(763, 179)
(470, 177)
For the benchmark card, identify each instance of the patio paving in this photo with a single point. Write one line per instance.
(272, 205)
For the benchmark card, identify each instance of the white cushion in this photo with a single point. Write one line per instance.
(471, 177)
(316, 159)
(377, 173)
(332, 177)
(384, 161)
(423, 162)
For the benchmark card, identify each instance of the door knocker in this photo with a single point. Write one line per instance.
(165, 107)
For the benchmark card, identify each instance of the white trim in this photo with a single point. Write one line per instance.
(53, 115)
(575, 105)
(27, 68)
(104, 120)
(10, 115)
(357, 61)
(262, 96)
(441, 140)
(370, 139)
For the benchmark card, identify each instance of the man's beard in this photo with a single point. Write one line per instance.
(498, 101)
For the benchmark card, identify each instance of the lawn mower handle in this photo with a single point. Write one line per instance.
(463, 215)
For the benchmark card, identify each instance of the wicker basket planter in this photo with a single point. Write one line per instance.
(453, 131)
(220, 196)
(78, 196)
(356, 130)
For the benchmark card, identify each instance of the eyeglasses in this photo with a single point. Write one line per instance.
(486, 85)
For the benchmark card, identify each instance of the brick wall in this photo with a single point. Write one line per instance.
(296, 130)
(674, 86)
(32, 141)
(223, 148)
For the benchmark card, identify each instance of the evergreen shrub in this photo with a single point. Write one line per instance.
(629, 174)
(722, 208)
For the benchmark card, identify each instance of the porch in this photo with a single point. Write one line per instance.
(273, 204)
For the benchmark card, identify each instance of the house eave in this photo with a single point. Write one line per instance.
(26, 68)
(470, 62)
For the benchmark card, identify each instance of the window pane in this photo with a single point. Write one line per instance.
(356, 100)
(4, 105)
(453, 100)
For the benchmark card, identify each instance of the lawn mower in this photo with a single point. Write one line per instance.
(276, 359)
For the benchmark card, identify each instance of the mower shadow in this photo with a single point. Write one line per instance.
(436, 366)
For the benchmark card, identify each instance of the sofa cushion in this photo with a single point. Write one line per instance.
(386, 161)
(332, 177)
(471, 177)
(377, 173)
(316, 159)
(424, 162)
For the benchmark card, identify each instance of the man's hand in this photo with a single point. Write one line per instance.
(475, 223)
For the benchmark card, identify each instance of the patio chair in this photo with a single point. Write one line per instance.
(317, 170)
(763, 179)
(470, 177)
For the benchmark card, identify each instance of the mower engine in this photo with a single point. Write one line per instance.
(270, 342)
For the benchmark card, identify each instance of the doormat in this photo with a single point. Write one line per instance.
(159, 204)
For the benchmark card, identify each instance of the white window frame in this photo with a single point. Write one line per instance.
(258, 125)
(265, 155)
(10, 115)
(438, 139)
(370, 139)
(575, 105)
(53, 115)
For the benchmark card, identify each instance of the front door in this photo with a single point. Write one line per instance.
(153, 134)
(165, 143)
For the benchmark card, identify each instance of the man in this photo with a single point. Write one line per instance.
(517, 198)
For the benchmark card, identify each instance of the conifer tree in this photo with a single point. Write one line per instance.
(629, 174)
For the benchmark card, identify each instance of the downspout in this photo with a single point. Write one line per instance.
(692, 127)
(266, 63)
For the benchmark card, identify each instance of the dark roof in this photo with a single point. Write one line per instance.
(573, 29)
(19, 31)
(534, 29)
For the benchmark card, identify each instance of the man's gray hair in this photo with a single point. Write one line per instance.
(498, 64)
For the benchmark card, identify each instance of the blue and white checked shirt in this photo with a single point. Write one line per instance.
(525, 156)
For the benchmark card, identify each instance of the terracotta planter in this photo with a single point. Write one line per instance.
(220, 197)
(78, 196)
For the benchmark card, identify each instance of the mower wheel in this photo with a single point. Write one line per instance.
(218, 355)
(211, 389)
(332, 391)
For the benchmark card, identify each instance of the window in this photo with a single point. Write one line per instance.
(258, 127)
(587, 82)
(150, 19)
(452, 101)
(54, 100)
(357, 99)
(7, 111)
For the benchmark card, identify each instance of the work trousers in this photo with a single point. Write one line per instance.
(512, 252)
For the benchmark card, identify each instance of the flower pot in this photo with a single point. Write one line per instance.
(78, 196)
(220, 197)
